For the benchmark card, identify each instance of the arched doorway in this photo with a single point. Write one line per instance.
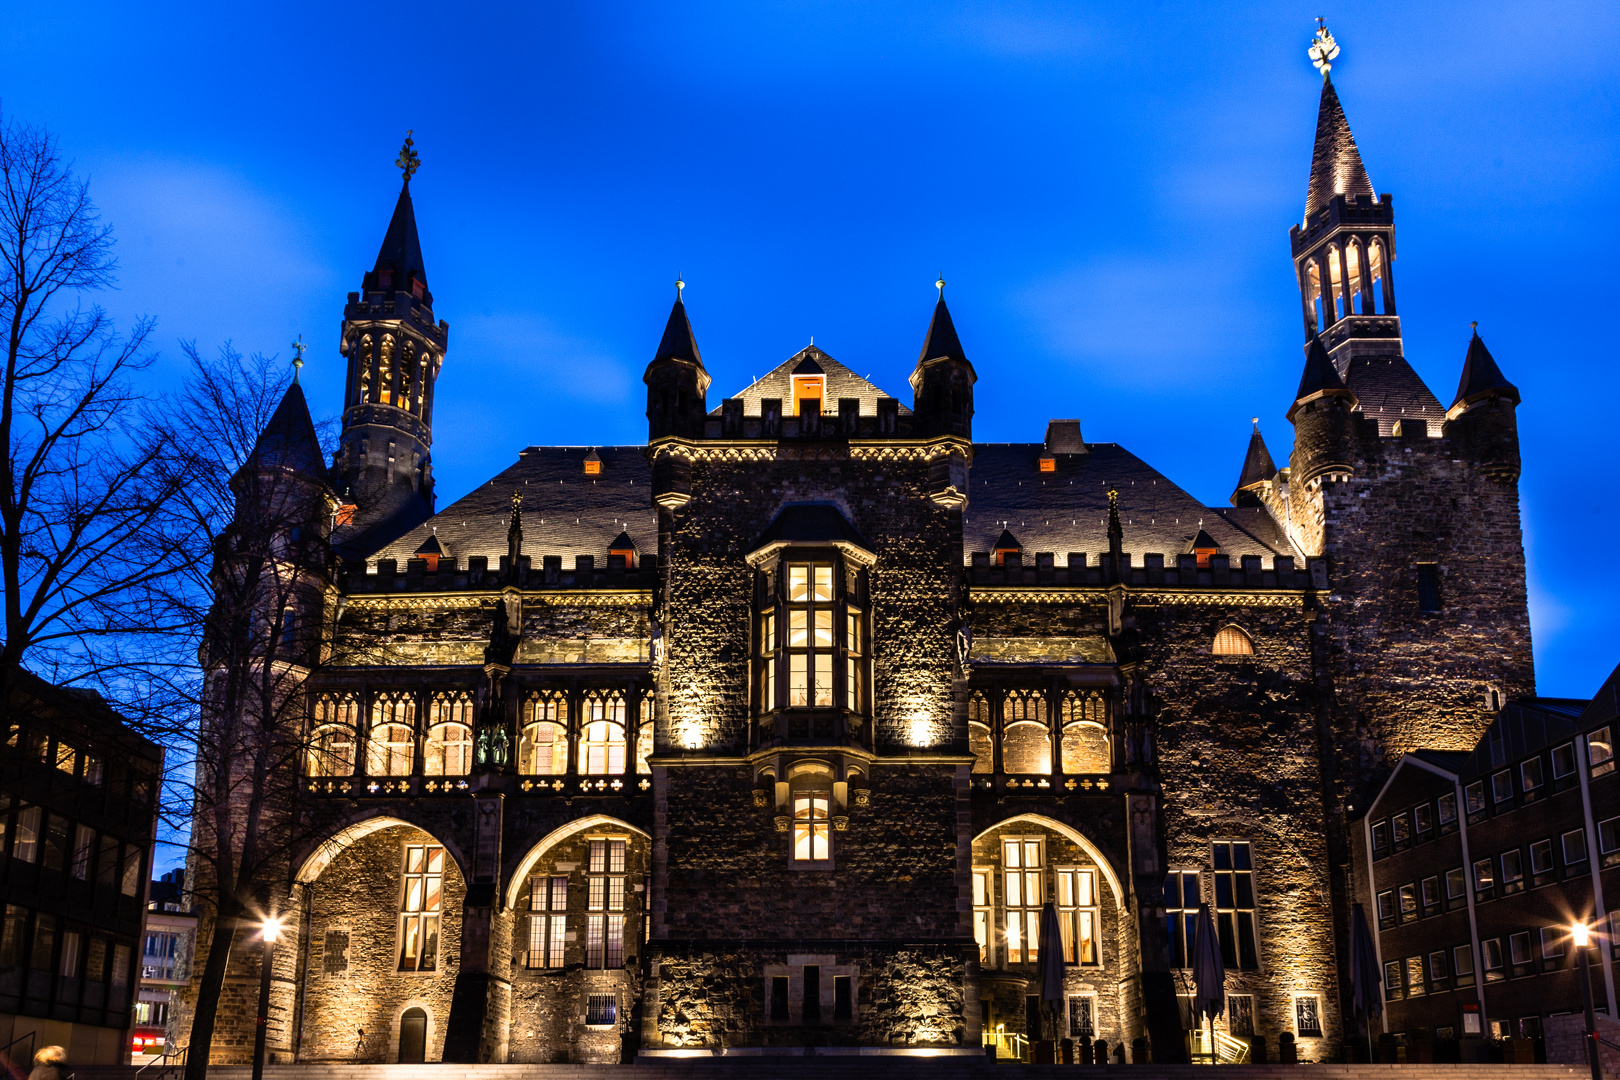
(412, 1037)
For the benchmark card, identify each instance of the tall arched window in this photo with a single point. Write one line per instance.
(1313, 294)
(543, 746)
(1085, 732)
(449, 741)
(1336, 291)
(1230, 641)
(407, 366)
(385, 371)
(332, 736)
(979, 741)
(366, 360)
(602, 748)
(1026, 744)
(1352, 259)
(1375, 267)
(391, 744)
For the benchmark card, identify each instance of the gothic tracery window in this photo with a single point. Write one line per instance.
(543, 745)
(385, 371)
(1231, 641)
(365, 369)
(644, 735)
(602, 749)
(980, 744)
(1026, 743)
(449, 741)
(1085, 733)
(391, 742)
(332, 738)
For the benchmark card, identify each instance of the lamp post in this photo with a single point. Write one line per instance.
(1583, 937)
(268, 932)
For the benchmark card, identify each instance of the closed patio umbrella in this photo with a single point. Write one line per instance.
(1049, 968)
(1366, 980)
(1209, 973)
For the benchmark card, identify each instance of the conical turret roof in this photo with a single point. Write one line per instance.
(1257, 464)
(678, 342)
(401, 251)
(1336, 167)
(942, 340)
(1319, 375)
(1481, 378)
(288, 440)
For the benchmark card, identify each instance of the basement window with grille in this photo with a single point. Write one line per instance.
(601, 1010)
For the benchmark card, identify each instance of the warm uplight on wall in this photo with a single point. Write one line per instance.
(691, 735)
(920, 732)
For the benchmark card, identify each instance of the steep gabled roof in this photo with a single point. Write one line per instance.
(401, 248)
(1007, 542)
(1257, 464)
(840, 382)
(1481, 378)
(1336, 167)
(1389, 391)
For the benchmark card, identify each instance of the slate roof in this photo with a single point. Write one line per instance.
(1319, 374)
(810, 523)
(1067, 510)
(565, 512)
(678, 342)
(841, 382)
(1388, 390)
(1336, 167)
(401, 249)
(1481, 377)
(288, 440)
(941, 340)
(1257, 463)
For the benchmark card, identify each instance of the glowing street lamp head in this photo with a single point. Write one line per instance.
(1582, 935)
(270, 930)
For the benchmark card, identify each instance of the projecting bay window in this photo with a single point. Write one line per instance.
(811, 636)
(604, 903)
(421, 902)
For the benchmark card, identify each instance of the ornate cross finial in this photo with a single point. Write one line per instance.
(1323, 48)
(408, 160)
(298, 348)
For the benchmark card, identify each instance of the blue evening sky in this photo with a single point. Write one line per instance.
(1106, 187)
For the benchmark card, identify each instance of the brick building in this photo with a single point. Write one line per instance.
(778, 730)
(1473, 865)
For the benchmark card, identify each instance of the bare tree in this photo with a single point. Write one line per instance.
(80, 501)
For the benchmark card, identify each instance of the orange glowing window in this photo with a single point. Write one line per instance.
(431, 561)
(1048, 464)
(345, 514)
(593, 468)
(807, 388)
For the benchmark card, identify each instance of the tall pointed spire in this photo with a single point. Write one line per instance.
(941, 342)
(942, 382)
(678, 342)
(1258, 468)
(288, 440)
(677, 384)
(1336, 167)
(1481, 378)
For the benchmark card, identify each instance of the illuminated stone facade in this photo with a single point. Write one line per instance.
(780, 730)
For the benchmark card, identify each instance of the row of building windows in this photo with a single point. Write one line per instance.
(1508, 956)
(1007, 907)
(606, 884)
(30, 835)
(558, 735)
(1233, 909)
(1506, 789)
(49, 965)
(117, 776)
(1027, 736)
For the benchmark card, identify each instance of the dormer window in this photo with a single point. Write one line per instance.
(624, 550)
(1203, 546)
(593, 464)
(1007, 544)
(1048, 464)
(809, 385)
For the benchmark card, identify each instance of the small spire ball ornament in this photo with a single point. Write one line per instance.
(1323, 48)
(298, 348)
(940, 285)
(408, 161)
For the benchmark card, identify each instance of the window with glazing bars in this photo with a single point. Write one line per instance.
(1234, 904)
(1078, 916)
(1022, 896)
(422, 899)
(810, 634)
(548, 921)
(1181, 910)
(604, 921)
(982, 912)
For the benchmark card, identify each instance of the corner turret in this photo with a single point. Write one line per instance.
(942, 383)
(1485, 413)
(1257, 473)
(677, 384)
(1323, 415)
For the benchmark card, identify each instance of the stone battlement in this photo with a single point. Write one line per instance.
(1183, 571)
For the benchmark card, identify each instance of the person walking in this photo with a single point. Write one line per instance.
(48, 1063)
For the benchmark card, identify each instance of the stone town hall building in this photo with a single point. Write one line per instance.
(778, 730)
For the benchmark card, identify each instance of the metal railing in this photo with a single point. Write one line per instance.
(10, 1059)
(1009, 1044)
(168, 1066)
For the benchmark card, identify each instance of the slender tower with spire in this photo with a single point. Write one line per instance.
(384, 466)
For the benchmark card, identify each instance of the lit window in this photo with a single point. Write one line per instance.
(604, 904)
(812, 836)
(421, 901)
(1085, 733)
(331, 748)
(807, 388)
(1600, 752)
(1026, 744)
(1231, 641)
(810, 635)
(644, 736)
(1048, 464)
(449, 742)
(1022, 896)
(1414, 976)
(982, 912)
(603, 750)
(1078, 916)
(1234, 904)
(543, 747)
(392, 742)
(980, 744)
(548, 920)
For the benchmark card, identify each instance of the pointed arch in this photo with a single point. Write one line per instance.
(514, 884)
(339, 842)
(1070, 833)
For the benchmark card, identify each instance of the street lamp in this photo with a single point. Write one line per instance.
(1583, 937)
(269, 930)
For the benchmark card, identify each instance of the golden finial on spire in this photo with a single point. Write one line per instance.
(1323, 48)
(680, 287)
(940, 284)
(1474, 326)
(408, 160)
(298, 355)
(1256, 425)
